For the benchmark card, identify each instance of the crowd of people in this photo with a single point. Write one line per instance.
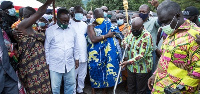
(159, 53)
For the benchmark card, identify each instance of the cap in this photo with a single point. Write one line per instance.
(6, 4)
(49, 11)
(190, 11)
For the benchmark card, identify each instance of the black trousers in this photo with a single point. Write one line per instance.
(137, 82)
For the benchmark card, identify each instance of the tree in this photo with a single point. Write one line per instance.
(66, 3)
(116, 4)
(187, 3)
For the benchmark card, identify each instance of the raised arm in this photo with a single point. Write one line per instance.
(33, 18)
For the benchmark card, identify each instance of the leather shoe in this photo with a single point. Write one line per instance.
(81, 93)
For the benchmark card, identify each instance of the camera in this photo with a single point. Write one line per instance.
(170, 90)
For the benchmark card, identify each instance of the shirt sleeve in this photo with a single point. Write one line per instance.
(48, 40)
(147, 46)
(76, 49)
(125, 40)
(193, 77)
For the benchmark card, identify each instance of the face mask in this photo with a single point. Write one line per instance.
(50, 17)
(105, 14)
(41, 24)
(143, 16)
(61, 25)
(12, 12)
(136, 32)
(78, 16)
(109, 16)
(120, 21)
(88, 20)
(167, 29)
(99, 20)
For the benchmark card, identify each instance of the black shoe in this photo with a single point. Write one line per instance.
(81, 93)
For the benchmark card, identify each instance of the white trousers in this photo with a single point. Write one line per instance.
(81, 72)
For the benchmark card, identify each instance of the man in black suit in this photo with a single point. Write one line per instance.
(8, 77)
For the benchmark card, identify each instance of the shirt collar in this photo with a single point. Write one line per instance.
(186, 25)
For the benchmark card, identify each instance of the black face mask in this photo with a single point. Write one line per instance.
(136, 33)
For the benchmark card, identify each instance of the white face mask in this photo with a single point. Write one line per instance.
(120, 21)
(167, 29)
(12, 12)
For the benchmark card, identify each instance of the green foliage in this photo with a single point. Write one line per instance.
(116, 4)
(66, 3)
(186, 3)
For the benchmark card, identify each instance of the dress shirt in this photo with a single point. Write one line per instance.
(140, 52)
(81, 29)
(180, 60)
(61, 48)
(151, 25)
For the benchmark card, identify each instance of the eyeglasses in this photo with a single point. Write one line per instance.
(105, 10)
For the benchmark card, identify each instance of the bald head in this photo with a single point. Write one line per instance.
(120, 16)
(98, 13)
(104, 8)
(137, 23)
(144, 9)
(28, 11)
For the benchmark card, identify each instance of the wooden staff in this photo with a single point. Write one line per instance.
(120, 68)
(125, 3)
(54, 13)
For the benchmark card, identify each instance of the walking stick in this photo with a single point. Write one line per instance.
(120, 68)
(54, 12)
(125, 3)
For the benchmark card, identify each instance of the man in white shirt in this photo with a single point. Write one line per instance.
(80, 29)
(61, 49)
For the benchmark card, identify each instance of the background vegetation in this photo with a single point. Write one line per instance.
(118, 5)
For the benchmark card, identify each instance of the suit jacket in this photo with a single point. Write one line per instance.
(5, 63)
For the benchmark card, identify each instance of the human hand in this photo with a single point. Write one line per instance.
(154, 3)
(124, 64)
(49, 1)
(17, 34)
(198, 39)
(110, 34)
(76, 64)
(151, 81)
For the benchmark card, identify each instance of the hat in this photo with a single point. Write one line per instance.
(49, 11)
(6, 4)
(190, 11)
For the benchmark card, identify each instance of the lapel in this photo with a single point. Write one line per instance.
(3, 47)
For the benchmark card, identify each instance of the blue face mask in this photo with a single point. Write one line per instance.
(120, 21)
(12, 12)
(143, 16)
(41, 24)
(88, 20)
(105, 14)
(78, 16)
